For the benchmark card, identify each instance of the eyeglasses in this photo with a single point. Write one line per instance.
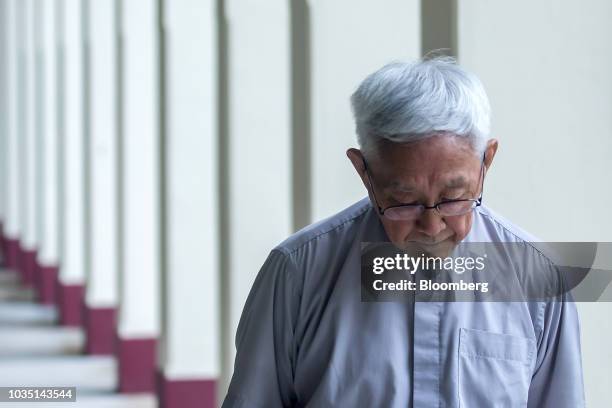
(446, 208)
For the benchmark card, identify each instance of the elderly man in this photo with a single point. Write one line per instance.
(305, 337)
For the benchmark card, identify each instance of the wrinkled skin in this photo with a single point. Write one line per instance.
(427, 171)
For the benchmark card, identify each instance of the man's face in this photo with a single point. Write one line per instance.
(425, 172)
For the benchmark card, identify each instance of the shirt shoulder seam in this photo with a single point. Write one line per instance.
(290, 252)
(508, 230)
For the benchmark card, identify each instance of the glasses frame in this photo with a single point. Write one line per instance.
(436, 206)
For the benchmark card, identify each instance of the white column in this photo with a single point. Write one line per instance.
(29, 154)
(27, 138)
(38, 131)
(102, 291)
(3, 123)
(258, 150)
(349, 41)
(72, 273)
(139, 314)
(189, 347)
(12, 228)
(48, 255)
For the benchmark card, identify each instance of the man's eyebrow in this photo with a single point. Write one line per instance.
(405, 188)
(457, 182)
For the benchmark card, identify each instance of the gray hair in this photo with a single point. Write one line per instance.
(409, 101)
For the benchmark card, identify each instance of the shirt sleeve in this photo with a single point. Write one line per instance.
(557, 380)
(264, 365)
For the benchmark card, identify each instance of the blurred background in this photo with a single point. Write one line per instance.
(153, 152)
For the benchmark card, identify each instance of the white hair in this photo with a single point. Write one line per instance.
(409, 101)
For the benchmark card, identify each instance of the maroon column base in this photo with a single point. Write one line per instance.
(12, 253)
(69, 301)
(37, 279)
(200, 393)
(47, 285)
(99, 329)
(21, 264)
(28, 267)
(137, 362)
(3, 245)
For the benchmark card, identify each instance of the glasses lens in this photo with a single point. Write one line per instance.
(451, 208)
(407, 212)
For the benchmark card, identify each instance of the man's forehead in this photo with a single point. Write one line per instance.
(432, 146)
(448, 181)
(441, 161)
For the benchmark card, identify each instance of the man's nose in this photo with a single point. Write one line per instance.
(430, 223)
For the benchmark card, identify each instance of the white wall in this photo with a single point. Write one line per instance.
(350, 39)
(546, 66)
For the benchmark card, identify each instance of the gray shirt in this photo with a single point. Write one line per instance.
(305, 339)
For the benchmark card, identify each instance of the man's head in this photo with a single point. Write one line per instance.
(423, 134)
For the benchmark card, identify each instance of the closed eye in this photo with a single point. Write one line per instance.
(399, 199)
(454, 195)
(398, 202)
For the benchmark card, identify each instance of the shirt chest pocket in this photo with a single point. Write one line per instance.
(494, 369)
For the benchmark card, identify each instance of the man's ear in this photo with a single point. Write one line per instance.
(356, 158)
(490, 151)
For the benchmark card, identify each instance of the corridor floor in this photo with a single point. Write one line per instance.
(35, 351)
